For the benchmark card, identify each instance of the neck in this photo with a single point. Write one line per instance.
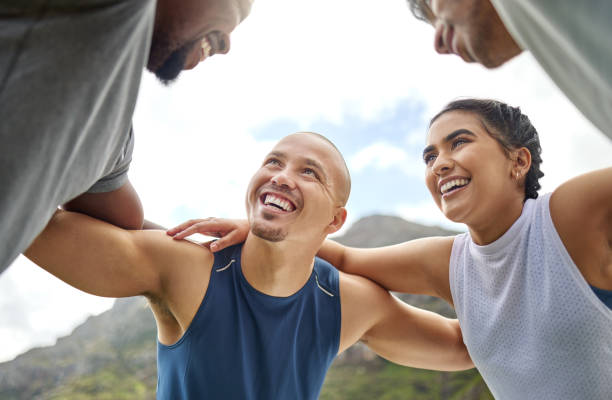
(277, 268)
(492, 228)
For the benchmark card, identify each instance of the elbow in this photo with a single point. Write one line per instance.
(463, 359)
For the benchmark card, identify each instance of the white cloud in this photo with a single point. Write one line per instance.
(427, 213)
(378, 155)
(36, 308)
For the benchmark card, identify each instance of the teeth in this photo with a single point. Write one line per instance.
(206, 49)
(452, 184)
(277, 201)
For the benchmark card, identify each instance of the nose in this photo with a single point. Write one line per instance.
(442, 164)
(223, 43)
(282, 179)
(439, 38)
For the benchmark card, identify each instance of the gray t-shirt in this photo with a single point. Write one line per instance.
(572, 41)
(69, 77)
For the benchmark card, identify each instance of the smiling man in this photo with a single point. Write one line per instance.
(570, 39)
(263, 319)
(69, 77)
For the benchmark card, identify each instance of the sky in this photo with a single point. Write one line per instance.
(363, 73)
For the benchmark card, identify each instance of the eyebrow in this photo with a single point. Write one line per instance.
(448, 138)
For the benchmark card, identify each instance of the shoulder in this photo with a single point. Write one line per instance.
(581, 212)
(359, 295)
(583, 203)
(164, 249)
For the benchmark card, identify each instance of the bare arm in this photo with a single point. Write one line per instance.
(120, 207)
(104, 260)
(581, 210)
(418, 266)
(398, 332)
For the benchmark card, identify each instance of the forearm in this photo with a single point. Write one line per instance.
(421, 339)
(333, 252)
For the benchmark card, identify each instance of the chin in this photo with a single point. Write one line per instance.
(453, 215)
(173, 64)
(267, 233)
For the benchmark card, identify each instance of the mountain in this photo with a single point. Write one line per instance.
(112, 355)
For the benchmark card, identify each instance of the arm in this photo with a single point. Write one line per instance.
(120, 207)
(104, 260)
(581, 210)
(418, 266)
(397, 331)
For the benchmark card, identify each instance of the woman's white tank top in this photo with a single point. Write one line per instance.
(530, 321)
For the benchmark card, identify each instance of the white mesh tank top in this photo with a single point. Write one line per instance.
(530, 321)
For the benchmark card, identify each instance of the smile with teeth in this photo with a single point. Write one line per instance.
(206, 49)
(453, 184)
(270, 199)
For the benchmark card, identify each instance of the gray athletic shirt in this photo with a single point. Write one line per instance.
(572, 41)
(530, 321)
(69, 78)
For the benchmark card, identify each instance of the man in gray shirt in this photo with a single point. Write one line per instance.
(69, 77)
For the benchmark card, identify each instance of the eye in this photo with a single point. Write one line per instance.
(429, 158)
(458, 142)
(311, 172)
(272, 161)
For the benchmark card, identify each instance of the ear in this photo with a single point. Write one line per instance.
(338, 221)
(522, 161)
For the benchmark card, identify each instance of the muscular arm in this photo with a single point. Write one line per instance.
(398, 332)
(418, 266)
(104, 260)
(581, 210)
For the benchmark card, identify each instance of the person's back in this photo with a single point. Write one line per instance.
(245, 344)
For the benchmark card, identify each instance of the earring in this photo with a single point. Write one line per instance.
(518, 175)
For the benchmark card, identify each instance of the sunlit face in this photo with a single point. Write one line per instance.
(470, 29)
(296, 193)
(187, 32)
(468, 173)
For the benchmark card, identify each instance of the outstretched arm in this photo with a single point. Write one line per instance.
(102, 259)
(397, 331)
(418, 266)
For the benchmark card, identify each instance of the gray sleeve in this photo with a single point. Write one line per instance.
(118, 176)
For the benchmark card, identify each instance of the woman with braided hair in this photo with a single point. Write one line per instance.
(531, 280)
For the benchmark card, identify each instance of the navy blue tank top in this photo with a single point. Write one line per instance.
(243, 344)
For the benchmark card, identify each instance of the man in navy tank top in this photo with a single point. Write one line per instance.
(263, 319)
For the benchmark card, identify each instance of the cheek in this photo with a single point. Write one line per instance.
(431, 183)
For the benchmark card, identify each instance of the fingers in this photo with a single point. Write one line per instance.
(183, 226)
(230, 239)
(187, 232)
(209, 226)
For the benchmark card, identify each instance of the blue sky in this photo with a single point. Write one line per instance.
(385, 184)
(362, 72)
